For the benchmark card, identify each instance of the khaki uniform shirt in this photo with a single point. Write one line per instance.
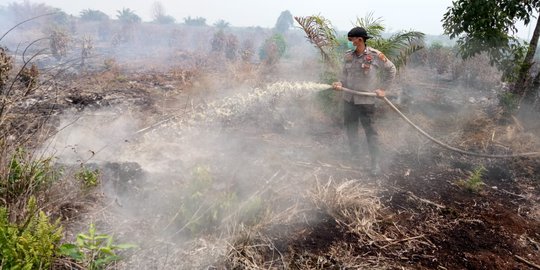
(366, 72)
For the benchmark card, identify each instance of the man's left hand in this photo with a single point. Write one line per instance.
(380, 93)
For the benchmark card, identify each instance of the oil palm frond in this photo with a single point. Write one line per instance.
(373, 26)
(404, 44)
(320, 33)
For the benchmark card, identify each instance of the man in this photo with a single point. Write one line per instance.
(365, 70)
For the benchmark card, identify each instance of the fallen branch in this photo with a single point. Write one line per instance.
(425, 200)
(403, 240)
(528, 262)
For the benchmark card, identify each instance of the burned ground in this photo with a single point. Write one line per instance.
(273, 186)
(426, 218)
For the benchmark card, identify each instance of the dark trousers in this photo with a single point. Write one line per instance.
(364, 113)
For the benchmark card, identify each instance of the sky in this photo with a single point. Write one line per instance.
(418, 15)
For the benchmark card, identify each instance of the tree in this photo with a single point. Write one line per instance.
(489, 26)
(159, 16)
(198, 21)
(226, 44)
(93, 15)
(398, 48)
(273, 49)
(128, 16)
(221, 24)
(284, 22)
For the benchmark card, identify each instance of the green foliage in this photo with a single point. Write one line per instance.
(221, 24)
(486, 25)
(319, 32)
(93, 15)
(159, 16)
(94, 250)
(165, 19)
(198, 21)
(127, 16)
(330, 104)
(89, 178)
(226, 44)
(25, 176)
(31, 244)
(204, 208)
(398, 47)
(273, 49)
(509, 103)
(60, 18)
(490, 26)
(284, 22)
(474, 183)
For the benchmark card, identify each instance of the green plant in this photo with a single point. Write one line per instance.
(94, 250)
(93, 15)
(273, 49)
(509, 102)
(6, 64)
(128, 16)
(198, 21)
(25, 175)
(474, 183)
(88, 177)
(30, 244)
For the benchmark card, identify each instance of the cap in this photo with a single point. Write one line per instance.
(358, 32)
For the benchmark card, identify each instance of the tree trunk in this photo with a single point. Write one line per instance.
(525, 85)
(523, 81)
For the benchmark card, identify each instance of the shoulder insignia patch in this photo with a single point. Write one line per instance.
(383, 57)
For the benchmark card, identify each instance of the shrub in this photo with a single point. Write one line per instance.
(89, 178)
(204, 208)
(93, 250)
(25, 175)
(474, 183)
(31, 244)
(509, 102)
(273, 49)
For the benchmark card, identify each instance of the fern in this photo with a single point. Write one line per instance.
(30, 245)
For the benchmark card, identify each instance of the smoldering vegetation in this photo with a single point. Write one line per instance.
(211, 150)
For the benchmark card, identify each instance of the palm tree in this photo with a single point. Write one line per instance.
(398, 47)
(128, 16)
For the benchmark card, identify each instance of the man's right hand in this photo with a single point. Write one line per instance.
(338, 86)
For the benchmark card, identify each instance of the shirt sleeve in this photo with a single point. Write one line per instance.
(343, 77)
(389, 72)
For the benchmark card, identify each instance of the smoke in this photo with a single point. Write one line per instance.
(201, 171)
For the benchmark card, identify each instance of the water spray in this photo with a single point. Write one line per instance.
(227, 108)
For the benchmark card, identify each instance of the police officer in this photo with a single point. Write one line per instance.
(366, 70)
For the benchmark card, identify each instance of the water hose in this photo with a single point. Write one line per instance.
(442, 144)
